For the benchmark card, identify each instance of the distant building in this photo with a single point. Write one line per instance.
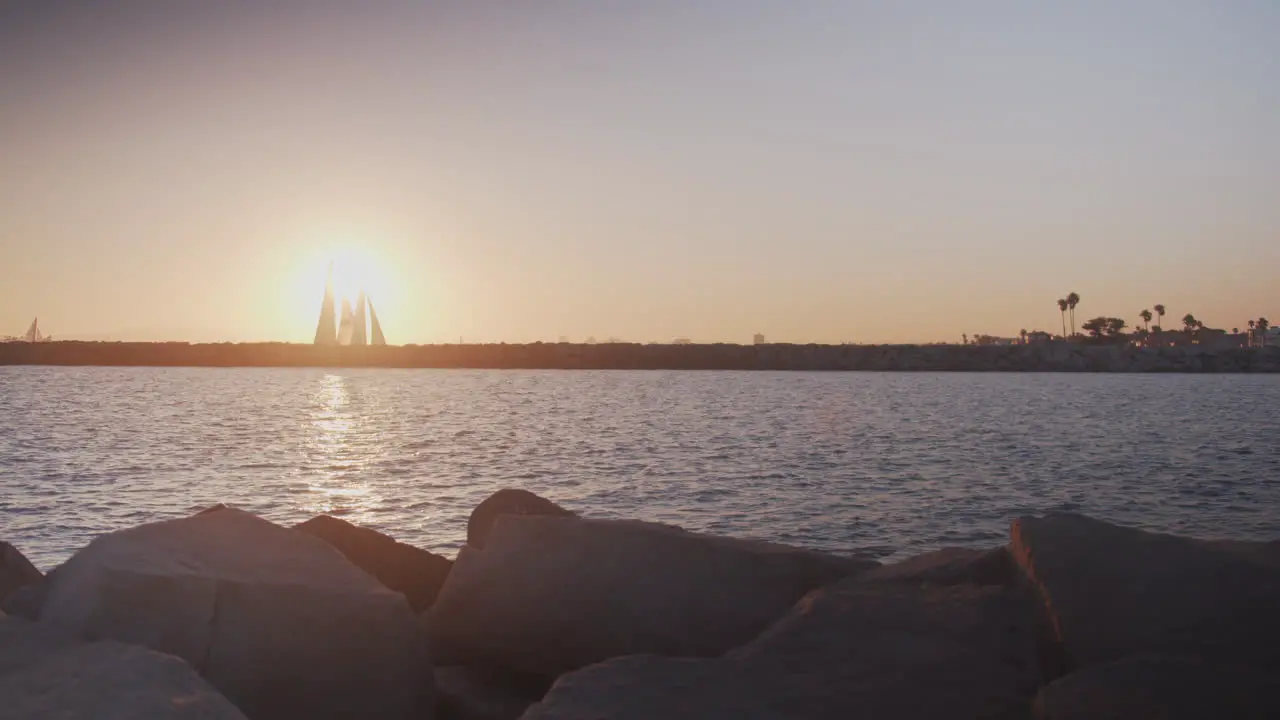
(757, 339)
(682, 341)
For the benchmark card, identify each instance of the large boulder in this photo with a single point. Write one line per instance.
(475, 693)
(1110, 592)
(551, 594)
(1154, 686)
(857, 649)
(48, 674)
(15, 572)
(508, 501)
(277, 620)
(412, 571)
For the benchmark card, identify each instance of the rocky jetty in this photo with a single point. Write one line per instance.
(550, 616)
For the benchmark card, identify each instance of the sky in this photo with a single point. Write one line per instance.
(517, 171)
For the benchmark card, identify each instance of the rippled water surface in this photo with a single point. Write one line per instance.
(892, 463)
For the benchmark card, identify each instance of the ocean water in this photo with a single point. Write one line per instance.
(885, 463)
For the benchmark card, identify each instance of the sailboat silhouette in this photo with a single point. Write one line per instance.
(352, 329)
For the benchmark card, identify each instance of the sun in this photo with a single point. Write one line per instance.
(354, 271)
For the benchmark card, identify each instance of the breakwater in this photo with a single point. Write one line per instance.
(1046, 357)
(547, 614)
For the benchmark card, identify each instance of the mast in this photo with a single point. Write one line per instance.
(324, 328)
(358, 334)
(345, 326)
(33, 332)
(378, 337)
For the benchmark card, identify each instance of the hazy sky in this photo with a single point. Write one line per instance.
(816, 171)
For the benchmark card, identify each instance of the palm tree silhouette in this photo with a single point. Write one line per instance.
(1146, 319)
(1072, 300)
(1062, 308)
(1160, 312)
(1263, 324)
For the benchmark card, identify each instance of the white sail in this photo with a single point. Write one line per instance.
(324, 329)
(33, 332)
(345, 326)
(378, 337)
(359, 336)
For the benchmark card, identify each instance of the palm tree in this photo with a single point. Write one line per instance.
(1189, 322)
(1263, 324)
(1023, 334)
(1062, 308)
(1252, 335)
(1072, 301)
(1146, 318)
(1160, 312)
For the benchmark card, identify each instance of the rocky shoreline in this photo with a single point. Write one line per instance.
(1036, 357)
(546, 615)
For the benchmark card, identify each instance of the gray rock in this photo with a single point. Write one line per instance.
(23, 642)
(26, 601)
(1169, 688)
(15, 572)
(412, 571)
(551, 594)
(950, 566)
(278, 621)
(509, 501)
(1109, 592)
(47, 674)
(852, 650)
(473, 693)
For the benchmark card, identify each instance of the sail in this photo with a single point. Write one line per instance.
(324, 329)
(378, 337)
(345, 326)
(359, 336)
(33, 332)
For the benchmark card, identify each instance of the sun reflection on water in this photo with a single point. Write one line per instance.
(341, 446)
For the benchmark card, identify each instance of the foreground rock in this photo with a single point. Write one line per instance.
(509, 501)
(47, 674)
(1111, 592)
(472, 693)
(411, 571)
(551, 594)
(15, 572)
(854, 650)
(1170, 688)
(277, 620)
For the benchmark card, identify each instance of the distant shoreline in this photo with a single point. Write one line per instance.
(1046, 357)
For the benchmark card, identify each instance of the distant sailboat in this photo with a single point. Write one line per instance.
(359, 336)
(346, 326)
(378, 337)
(324, 329)
(352, 326)
(33, 333)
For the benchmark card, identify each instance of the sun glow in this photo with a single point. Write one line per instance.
(355, 269)
(354, 272)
